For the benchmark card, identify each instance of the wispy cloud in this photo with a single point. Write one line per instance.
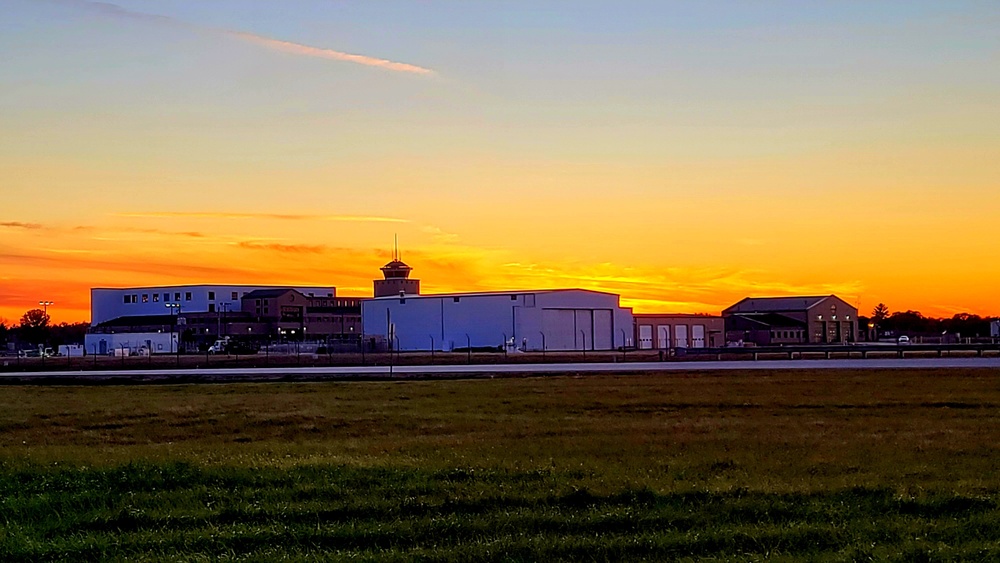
(285, 248)
(275, 216)
(20, 225)
(116, 11)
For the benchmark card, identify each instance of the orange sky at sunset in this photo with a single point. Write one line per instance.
(684, 157)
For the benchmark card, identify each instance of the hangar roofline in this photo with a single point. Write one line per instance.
(489, 293)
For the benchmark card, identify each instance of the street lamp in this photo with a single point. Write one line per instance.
(583, 335)
(45, 318)
(623, 344)
(543, 344)
(175, 311)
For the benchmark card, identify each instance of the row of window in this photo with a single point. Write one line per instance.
(134, 297)
(786, 334)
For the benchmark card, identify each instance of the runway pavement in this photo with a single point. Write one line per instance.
(453, 371)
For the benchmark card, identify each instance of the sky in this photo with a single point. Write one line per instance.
(682, 154)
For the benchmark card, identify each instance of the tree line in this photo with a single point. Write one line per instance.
(36, 328)
(886, 323)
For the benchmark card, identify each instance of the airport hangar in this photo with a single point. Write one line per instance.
(553, 319)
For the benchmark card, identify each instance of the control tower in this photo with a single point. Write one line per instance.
(397, 279)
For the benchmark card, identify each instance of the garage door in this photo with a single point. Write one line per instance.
(663, 337)
(645, 337)
(584, 329)
(603, 332)
(698, 336)
(558, 326)
(681, 336)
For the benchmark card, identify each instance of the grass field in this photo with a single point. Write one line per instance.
(830, 465)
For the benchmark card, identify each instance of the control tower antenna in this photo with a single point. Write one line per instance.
(395, 246)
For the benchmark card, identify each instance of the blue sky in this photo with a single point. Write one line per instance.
(567, 134)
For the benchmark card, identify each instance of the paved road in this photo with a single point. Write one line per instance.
(471, 370)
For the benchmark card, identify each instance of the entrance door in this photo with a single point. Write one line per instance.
(681, 335)
(663, 337)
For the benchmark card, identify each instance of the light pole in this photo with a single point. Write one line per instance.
(583, 335)
(504, 344)
(175, 311)
(45, 317)
(468, 349)
(543, 344)
(623, 344)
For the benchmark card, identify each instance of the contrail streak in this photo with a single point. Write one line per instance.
(116, 11)
(308, 51)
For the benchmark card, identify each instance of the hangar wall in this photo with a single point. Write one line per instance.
(570, 319)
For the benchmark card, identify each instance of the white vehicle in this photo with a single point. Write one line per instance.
(219, 347)
(904, 339)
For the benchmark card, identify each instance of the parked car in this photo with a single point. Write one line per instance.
(903, 339)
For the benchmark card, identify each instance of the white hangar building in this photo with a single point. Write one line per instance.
(558, 319)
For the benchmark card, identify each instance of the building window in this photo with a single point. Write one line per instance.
(187, 296)
(211, 296)
(402, 301)
(128, 298)
(211, 307)
(156, 298)
(177, 296)
(135, 298)
(145, 298)
(513, 298)
(166, 297)
(235, 295)
(457, 299)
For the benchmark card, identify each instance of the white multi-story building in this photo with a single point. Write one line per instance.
(135, 312)
(556, 319)
(108, 304)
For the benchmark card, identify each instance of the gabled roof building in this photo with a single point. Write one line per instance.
(769, 321)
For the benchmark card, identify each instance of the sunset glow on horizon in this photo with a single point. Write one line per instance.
(681, 155)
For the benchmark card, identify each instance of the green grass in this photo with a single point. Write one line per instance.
(832, 466)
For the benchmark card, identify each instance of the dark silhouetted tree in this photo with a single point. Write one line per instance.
(34, 327)
(879, 313)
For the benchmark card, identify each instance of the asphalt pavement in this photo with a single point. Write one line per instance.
(350, 372)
